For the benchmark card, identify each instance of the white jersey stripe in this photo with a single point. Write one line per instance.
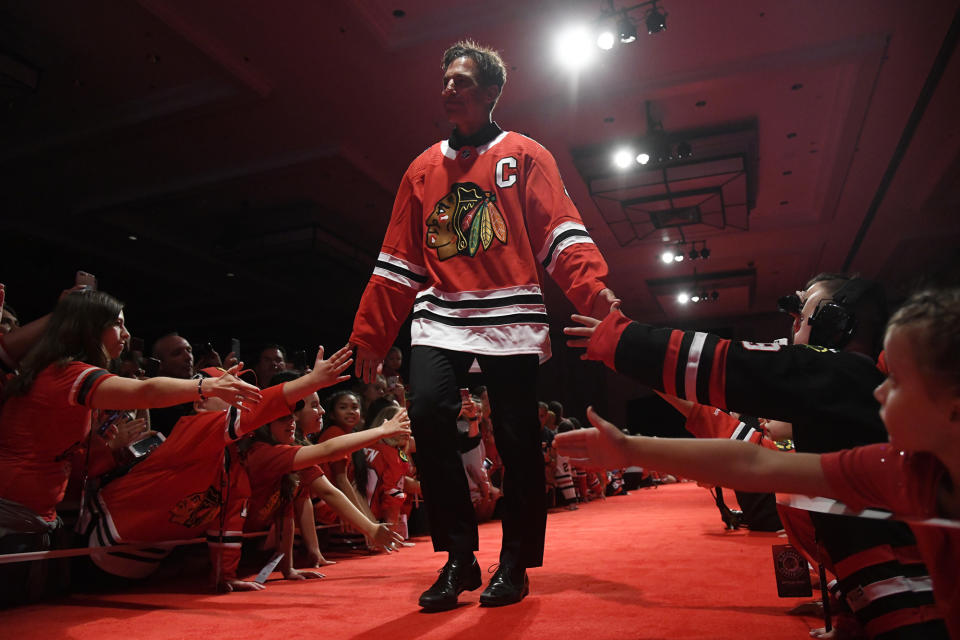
(396, 277)
(459, 296)
(557, 230)
(693, 365)
(403, 264)
(563, 245)
(478, 312)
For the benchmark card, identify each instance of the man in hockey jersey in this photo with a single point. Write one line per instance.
(826, 394)
(473, 217)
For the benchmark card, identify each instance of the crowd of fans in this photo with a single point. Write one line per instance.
(183, 443)
(105, 443)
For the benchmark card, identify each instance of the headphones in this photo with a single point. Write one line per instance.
(834, 320)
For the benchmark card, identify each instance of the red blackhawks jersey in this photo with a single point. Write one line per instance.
(709, 422)
(385, 474)
(179, 490)
(41, 432)
(468, 229)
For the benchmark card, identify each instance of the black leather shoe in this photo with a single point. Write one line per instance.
(507, 586)
(455, 576)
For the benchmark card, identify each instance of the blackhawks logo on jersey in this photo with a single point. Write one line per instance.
(197, 509)
(464, 220)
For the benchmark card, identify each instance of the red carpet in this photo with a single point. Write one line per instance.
(654, 564)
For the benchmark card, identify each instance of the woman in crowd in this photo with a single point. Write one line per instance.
(47, 407)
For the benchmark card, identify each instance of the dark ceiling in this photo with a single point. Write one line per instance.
(228, 168)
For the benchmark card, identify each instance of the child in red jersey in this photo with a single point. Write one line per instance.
(193, 484)
(344, 416)
(273, 461)
(387, 469)
(332, 503)
(914, 475)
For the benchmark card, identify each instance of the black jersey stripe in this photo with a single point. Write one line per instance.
(406, 273)
(569, 233)
(705, 368)
(215, 538)
(485, 303)
(680, 379)
(87, 385)
(233, 417)
(136, 558)
(483, 321)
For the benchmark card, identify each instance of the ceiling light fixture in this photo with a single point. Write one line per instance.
(627, 30)
(656, 20)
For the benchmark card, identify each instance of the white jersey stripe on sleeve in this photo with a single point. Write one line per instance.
(693, 365)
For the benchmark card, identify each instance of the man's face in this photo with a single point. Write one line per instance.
(440, 233)
(801, 324)
(466, 102)
(176, 357)
(271, 362)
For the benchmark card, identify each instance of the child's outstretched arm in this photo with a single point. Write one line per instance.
(734, 464)
(335, 448)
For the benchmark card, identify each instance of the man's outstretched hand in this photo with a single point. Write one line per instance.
(605, 302)
(580, 335)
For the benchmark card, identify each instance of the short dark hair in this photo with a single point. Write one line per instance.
(869, 308)
(556, 407)
(490, 67)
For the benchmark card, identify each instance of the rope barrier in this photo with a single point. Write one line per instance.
(27, 556)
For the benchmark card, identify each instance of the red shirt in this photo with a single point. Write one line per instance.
(266, 465)
(906, 484)
(333, 431)
(40, 430)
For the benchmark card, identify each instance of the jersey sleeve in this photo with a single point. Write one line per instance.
(399, 272)
(83, 380)
(562, 244)
(709, 422)
(880, 476)
(272, 405)
(763, 379)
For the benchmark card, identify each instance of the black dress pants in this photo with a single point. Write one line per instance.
(436, 375)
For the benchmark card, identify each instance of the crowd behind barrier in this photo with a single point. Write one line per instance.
(111, 456)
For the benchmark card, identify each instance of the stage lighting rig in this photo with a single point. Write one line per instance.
(654, 18)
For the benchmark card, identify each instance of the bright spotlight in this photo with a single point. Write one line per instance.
(694, 298)
(683, 298)
(643, 158)
(667, 256)
(678, 257)
(606, 40)
(623, 158)
(574, 48)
